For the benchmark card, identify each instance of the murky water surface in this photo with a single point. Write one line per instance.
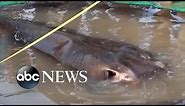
(135, 25)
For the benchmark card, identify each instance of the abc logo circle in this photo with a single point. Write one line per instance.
(27, 77)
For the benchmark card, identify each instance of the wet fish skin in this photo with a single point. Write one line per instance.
(103, 59)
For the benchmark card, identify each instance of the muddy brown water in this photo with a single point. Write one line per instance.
(135, 25)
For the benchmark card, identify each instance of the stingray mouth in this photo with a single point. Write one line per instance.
(133, 73)
(116, 77)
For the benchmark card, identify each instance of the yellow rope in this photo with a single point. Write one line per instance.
(51, 32)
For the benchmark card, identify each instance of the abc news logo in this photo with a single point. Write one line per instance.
(28, 77)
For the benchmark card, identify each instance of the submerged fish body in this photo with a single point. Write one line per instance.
(103, 59)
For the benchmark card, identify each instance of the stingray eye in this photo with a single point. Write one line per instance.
(110, 74)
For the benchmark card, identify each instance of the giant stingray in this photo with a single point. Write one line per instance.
(103, 59)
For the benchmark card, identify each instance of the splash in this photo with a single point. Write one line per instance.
(28, 14)
(95, 15)
(177, 19)
(111, 16)
(31, 56)
(114, 31)
(147, 37)
(148, 15)
(148, 19)
(174, 29)
(84, 27)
